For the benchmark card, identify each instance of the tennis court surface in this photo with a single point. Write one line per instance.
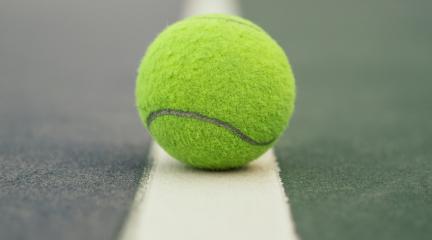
(355, 163)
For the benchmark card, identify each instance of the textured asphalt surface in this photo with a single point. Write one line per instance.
(357, 159)
(72, 149)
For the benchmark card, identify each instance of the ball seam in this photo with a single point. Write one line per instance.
(201, 117)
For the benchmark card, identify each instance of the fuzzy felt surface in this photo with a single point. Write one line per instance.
(224, 85)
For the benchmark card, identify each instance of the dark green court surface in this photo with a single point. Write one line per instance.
(72, 149)
(357, 160)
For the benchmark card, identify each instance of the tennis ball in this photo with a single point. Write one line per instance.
(215, 91)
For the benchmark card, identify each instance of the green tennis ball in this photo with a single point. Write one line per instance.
(215, 91)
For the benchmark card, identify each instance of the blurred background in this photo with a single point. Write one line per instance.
(355, 162)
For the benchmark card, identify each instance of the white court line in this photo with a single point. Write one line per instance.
(197, 7)
(182, 203)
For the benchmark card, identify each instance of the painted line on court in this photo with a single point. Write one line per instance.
(184, 203)
(179, 202)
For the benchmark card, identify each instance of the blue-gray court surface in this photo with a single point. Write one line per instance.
(356, 162)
